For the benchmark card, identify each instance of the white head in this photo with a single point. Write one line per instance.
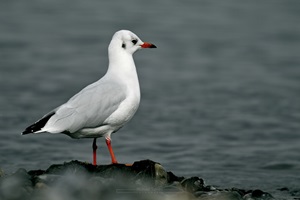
(126, 41)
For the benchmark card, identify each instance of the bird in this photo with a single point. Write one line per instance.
(105, 106)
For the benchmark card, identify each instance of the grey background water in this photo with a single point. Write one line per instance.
(220, 94)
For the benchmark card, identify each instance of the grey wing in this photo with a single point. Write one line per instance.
(87, 109)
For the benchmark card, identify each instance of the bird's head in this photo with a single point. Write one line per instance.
(127, 41)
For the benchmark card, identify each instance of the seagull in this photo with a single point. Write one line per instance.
(105, 106)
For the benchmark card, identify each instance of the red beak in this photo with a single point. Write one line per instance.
(148, 45)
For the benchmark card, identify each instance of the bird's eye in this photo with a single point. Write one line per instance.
(134, 41)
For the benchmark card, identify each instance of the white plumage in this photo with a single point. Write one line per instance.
(105, 106)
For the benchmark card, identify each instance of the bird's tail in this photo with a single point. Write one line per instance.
(37, 126)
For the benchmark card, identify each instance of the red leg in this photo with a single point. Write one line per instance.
(95, 152)
(112, 155)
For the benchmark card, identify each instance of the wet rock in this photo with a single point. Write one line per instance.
(73, 167)
(16, 186)
(145, 170)
(196, 186)
(294, 193)
(1, 172)
(193, 184)
(220, 195)
(145, 179)
(40, 185)
(173, 178)
(258, 195)
(283, 189)
(161, 176)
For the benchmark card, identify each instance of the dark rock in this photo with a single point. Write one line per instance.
(240, 191)
(219, 195)
(295, 193)
(161, 176)
(193, 184)
(258, 195)
(144, 170)
(283, 189)
(1, 172)
(173, 178)
(144, 179)
(16, 186)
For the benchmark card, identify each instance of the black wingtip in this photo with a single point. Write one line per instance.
(25, 132)
(37, 126)
(28, 130)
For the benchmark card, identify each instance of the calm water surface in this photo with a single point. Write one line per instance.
(220, 94)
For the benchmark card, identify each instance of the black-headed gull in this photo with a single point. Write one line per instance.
(105, 106)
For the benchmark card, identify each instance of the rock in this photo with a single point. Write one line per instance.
(258, 195)
(1, 172)
(16, 186)
(145, 179)
(40, 185)
(220, 195)
(193, 184)
(161, 176)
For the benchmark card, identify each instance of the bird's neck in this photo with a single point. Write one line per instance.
(122, 67)
(121, 63)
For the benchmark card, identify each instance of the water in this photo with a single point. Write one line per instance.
(220, 94)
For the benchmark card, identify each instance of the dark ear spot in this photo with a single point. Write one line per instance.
(124, 46)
